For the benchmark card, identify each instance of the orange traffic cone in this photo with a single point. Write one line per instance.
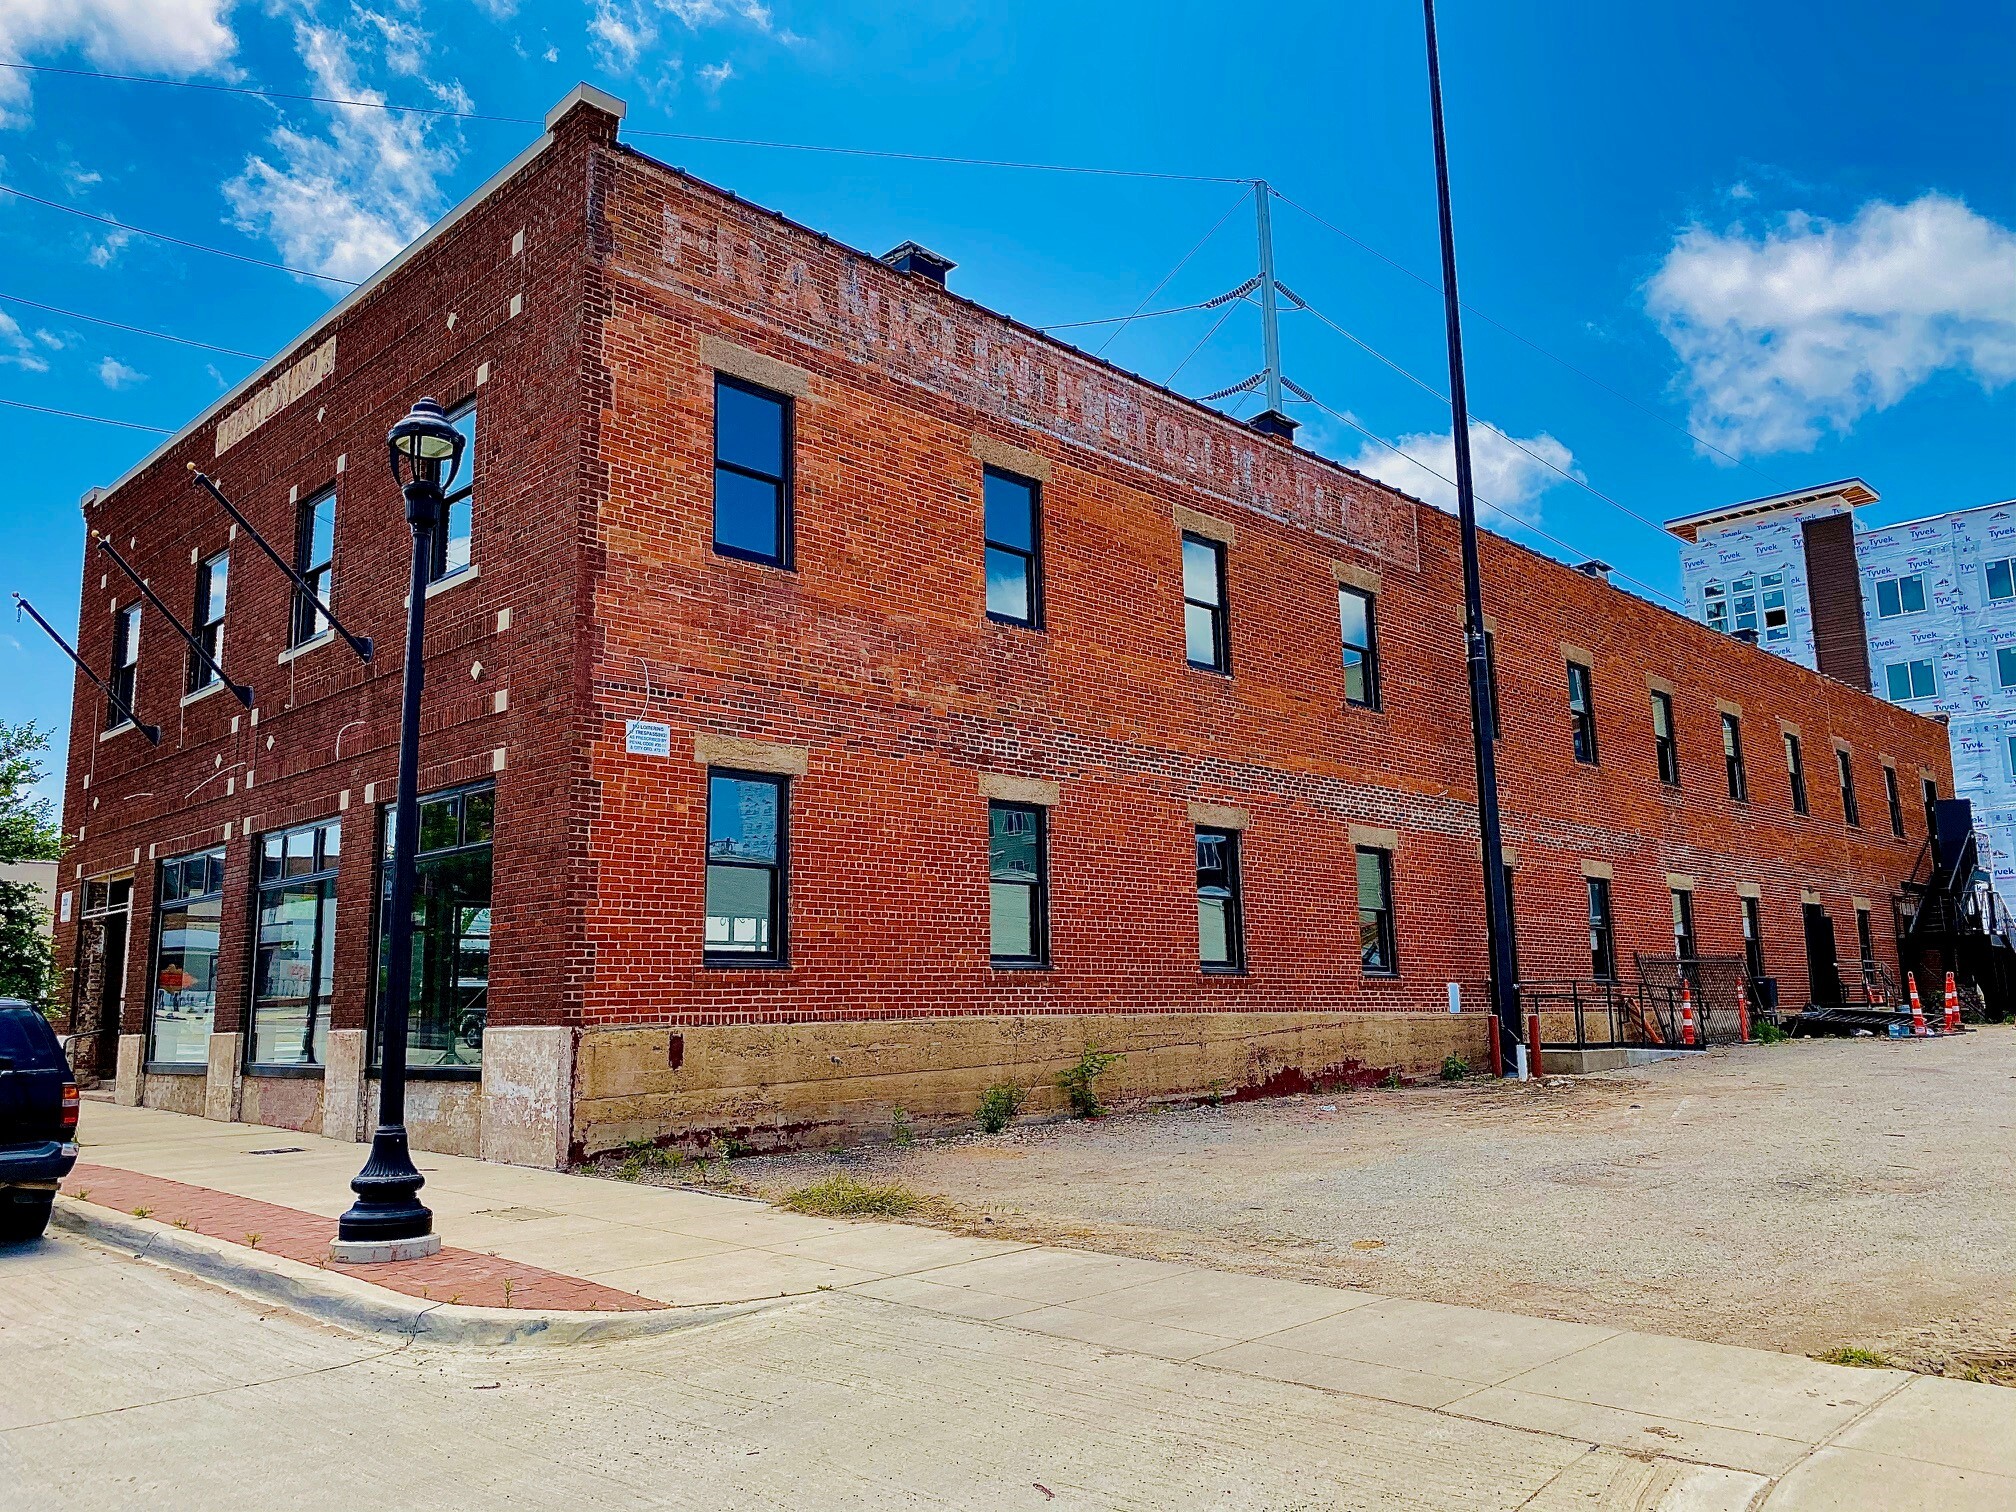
(1742, 1012)
(1917, 1008)
(1686, 1013)
(1952, 1024)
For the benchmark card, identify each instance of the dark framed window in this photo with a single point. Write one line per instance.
(1204, 624)
(315, 560)
(1895, 800)
(1929, 790)
(1732, 758)
(294, 946)
(182, 989)
(2001, 580)
(1906, 680)
(748, 814)
(1665, 743)
(1378, 948)
(1900, 595)
(1491, 676)
(1582, 711)
(752, 472)
(1018, 884)
(1865, 939)
(1357, 617)
(125, 679)
(1851, 808)
(2005, 666)
(1221, 944)
(1683, 924)
(1795, 771)
(213, 581)
(1602, 931)
(1753, 939)
(456, 532)
(1013, 508)
(449, 1002)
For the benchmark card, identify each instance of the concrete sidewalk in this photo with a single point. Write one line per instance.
(1770, 1430)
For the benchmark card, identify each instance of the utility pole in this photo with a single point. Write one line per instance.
(1497, 913)
(1272, 420)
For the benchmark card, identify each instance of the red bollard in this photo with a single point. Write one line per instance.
(1952, 1024)
(1917, 1009)
(1742, 1012)
(1686, 1013)
(1533, 1044)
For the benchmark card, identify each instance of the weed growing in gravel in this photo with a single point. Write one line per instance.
(901, 1130)
(998, 1106)
(641, 1155)
(1769, 1033)
(1080, 1083)
(1392, 1081)
(1454, 1067)
(845, 1197)
(1849, 1354)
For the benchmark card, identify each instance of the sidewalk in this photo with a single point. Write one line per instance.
(1809, 1435)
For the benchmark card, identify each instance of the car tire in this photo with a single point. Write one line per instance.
(24, 1216)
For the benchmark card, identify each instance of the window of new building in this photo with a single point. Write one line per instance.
(1715, 606)
(1356, 613)
(1602, 931)
(188, 920)
(449, 1001)
(458, 511)
(1732, 757)
(1895, 800)
(125, 679)
(1851, 808)
(1378, 952)
(1683, 923)
(2001, 579)
(2005, 666)
(1017, 881)
(1014, 589)
(1795, 771)
(294, 949)
(752, 472)
(1743, 600)
(1665, 743)
(747, 814)
(213, 578)
(1907, 680)
(1900, 595)
(2010, 751)
(1777, 619)
(1753, 939)
(1220, 934)
(1582, 712)
(314, 559)
(1204, 626)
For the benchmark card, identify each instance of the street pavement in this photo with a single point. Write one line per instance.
(895, 1366)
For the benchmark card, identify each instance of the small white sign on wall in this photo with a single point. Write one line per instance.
(646, 737)
(64, 911)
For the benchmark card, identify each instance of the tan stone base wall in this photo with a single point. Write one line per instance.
(794, 1085)
(174, 1094)
(283, 1102)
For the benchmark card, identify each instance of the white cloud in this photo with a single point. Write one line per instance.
(405, 45)
(1812, 324)
(620, 35)
(101, 254)
(1510, 478)
(49, 339)
(115, 374)
(16, 350)
(624, 34)
(178, 37)
(714, 75)
(346, 202)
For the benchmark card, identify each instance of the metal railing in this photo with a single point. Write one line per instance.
(1581, 1014)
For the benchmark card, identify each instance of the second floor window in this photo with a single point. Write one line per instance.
(1013, 587)
(1018, 922)
(456, 530)
(1732, 757)
(1795, 771)
(1355, 613)
(1378, 951)
(1204, 637)
(1907, 680)
(1602, 933)
(2005, 666)
(1901, 595)
(1851, 810)
(1220, 946)
(125, 679)
(314, 559)
(212, 579)
(752, 472)
(745, 867)
(1582, 712)
(2001, 580)
(1664, 742)
(1895, 800)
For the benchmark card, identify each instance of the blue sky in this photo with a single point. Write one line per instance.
(1792, 239)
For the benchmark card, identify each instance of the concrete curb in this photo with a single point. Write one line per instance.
(332, 1297)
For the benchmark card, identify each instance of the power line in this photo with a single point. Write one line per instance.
(1171, 274)
(268, 94)
(104, 220)
(1074, 325)
(120, 326)
(43, 409)
(1202, 341)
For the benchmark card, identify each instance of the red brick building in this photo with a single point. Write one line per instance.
(842, 697)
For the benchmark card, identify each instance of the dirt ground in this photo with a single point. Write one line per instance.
(1803, 1197)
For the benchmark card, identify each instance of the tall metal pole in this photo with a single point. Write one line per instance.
(1497, 912)
(1270, 306)
(388, 1207)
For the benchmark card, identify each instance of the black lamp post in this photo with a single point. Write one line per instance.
(388, 1220)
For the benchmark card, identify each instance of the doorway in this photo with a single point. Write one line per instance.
(1823, 966)
(100, 999)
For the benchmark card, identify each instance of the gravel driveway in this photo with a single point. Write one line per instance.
(1800, 1197)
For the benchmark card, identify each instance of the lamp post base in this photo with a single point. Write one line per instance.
(388, 1209)
(378, 1252)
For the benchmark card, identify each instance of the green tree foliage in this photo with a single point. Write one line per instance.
(28, 832)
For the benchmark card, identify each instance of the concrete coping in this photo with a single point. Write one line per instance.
(1787, 727)
(1724, 706)
(1351, 575)
(1574, 653)
(996, 453)
(1003, 787)
(1371, 837)
(1749, 890)
(1808, 895)
(1658, 684)
(750, 755)
(1601, 869)
(1679, 882)
(1195, 522)
(739, 362)
(1220, 816)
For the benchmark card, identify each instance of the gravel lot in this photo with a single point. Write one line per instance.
(1800, 1197)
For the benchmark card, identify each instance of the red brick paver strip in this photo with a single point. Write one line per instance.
(454, 1275)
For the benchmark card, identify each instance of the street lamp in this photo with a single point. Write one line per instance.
(388, 1221)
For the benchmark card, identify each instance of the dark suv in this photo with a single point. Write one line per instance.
(38, 1120)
